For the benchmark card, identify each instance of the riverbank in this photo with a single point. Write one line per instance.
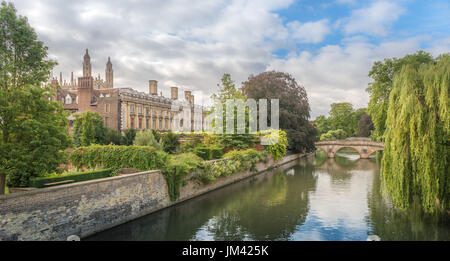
(89, 207)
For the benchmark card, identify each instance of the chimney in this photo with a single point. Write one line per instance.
(60, 79)
(85, 92)
(187, 95)
(153, 87)
(174, 93)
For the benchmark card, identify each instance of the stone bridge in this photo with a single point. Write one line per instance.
(364, 146)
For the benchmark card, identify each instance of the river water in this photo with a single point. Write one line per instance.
(309, 199)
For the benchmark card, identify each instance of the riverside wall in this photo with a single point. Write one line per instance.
(88, 207)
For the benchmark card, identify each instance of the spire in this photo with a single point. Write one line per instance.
(86, 65)
(109, 74)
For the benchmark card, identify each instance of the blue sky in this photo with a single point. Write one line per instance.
(328, 46)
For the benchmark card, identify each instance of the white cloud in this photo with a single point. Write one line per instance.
(191, 44)
(340, 73)
(309, 32)
(373, 20)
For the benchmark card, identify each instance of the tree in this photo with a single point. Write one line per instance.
(89, 129)
(228, 91)
(113, 137)
(416, 157)
(334, 135)
(365, 125)
(321, 124)
(146, 138)
(128, 137)
(341, 117)
(382, 74)
(294, 106)
(33, 129)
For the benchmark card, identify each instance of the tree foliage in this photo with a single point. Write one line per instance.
(33, 129)
(382, 74)
(343, 118)
(170, 142)
(146, 138)
(365, 125)
(294, 106)
(88, 128)
(415, 161)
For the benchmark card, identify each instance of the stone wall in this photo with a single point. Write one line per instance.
(85, 208)
(81, 208)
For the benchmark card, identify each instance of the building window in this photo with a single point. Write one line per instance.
(147, 124)
(132, 123)
(166, 124)
(107, 107)
(160, 123)
(147, 110)
(140, 123)
(139, 109)
(154, 124)
(106, 121)
(132, 108)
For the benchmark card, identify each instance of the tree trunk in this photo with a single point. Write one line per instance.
(2, 183)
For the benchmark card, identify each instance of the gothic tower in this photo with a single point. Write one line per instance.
(109, 74)
(87, 65)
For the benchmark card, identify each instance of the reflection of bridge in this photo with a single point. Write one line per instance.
(364, 146)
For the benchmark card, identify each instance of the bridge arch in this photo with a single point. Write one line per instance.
(364, 146)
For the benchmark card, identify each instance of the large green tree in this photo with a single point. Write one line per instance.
(33, 129)
(416, 157)
(88, 128)
(294, 106)
(382, 74)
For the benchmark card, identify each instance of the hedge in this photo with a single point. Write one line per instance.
(76, 177)
(116, 157)
(208, 153)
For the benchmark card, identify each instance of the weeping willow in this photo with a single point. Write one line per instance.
(415, 160)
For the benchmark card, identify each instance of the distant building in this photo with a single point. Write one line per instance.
(124, 108)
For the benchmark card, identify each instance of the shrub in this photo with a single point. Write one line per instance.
(76, 177)
(236, 141)
(208, 153)
(128, 137)
(334, 135)
(278, 143)
(170, 142)
(147, 138)
(116, 157)
(178, 167)
(233, 162)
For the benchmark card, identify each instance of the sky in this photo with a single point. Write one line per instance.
(328, 46)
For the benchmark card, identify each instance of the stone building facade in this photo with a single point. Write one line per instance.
(125, 108)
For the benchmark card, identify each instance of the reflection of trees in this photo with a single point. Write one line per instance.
(266, 207)
(412, 224)
(268, 210)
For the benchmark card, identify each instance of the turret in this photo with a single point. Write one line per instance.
(109, 74)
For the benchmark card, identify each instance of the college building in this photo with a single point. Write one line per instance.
(125, 108)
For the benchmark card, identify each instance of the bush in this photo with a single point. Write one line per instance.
(147, 138)
(113, 137)
(236, 141)
(178, 167)
(128, 137)
(278, 143)
(170, 142)
(116, 157)
(76, 177)
(233, 162)
(208, 153)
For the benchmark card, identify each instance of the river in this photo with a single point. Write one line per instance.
(310, 199)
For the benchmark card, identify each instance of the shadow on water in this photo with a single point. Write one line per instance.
(308, 199)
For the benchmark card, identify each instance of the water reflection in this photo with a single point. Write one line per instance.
(311, 199)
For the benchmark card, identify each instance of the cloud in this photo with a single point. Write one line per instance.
(310, 32)
(191, 44)
(373, 20)
(339, 73)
